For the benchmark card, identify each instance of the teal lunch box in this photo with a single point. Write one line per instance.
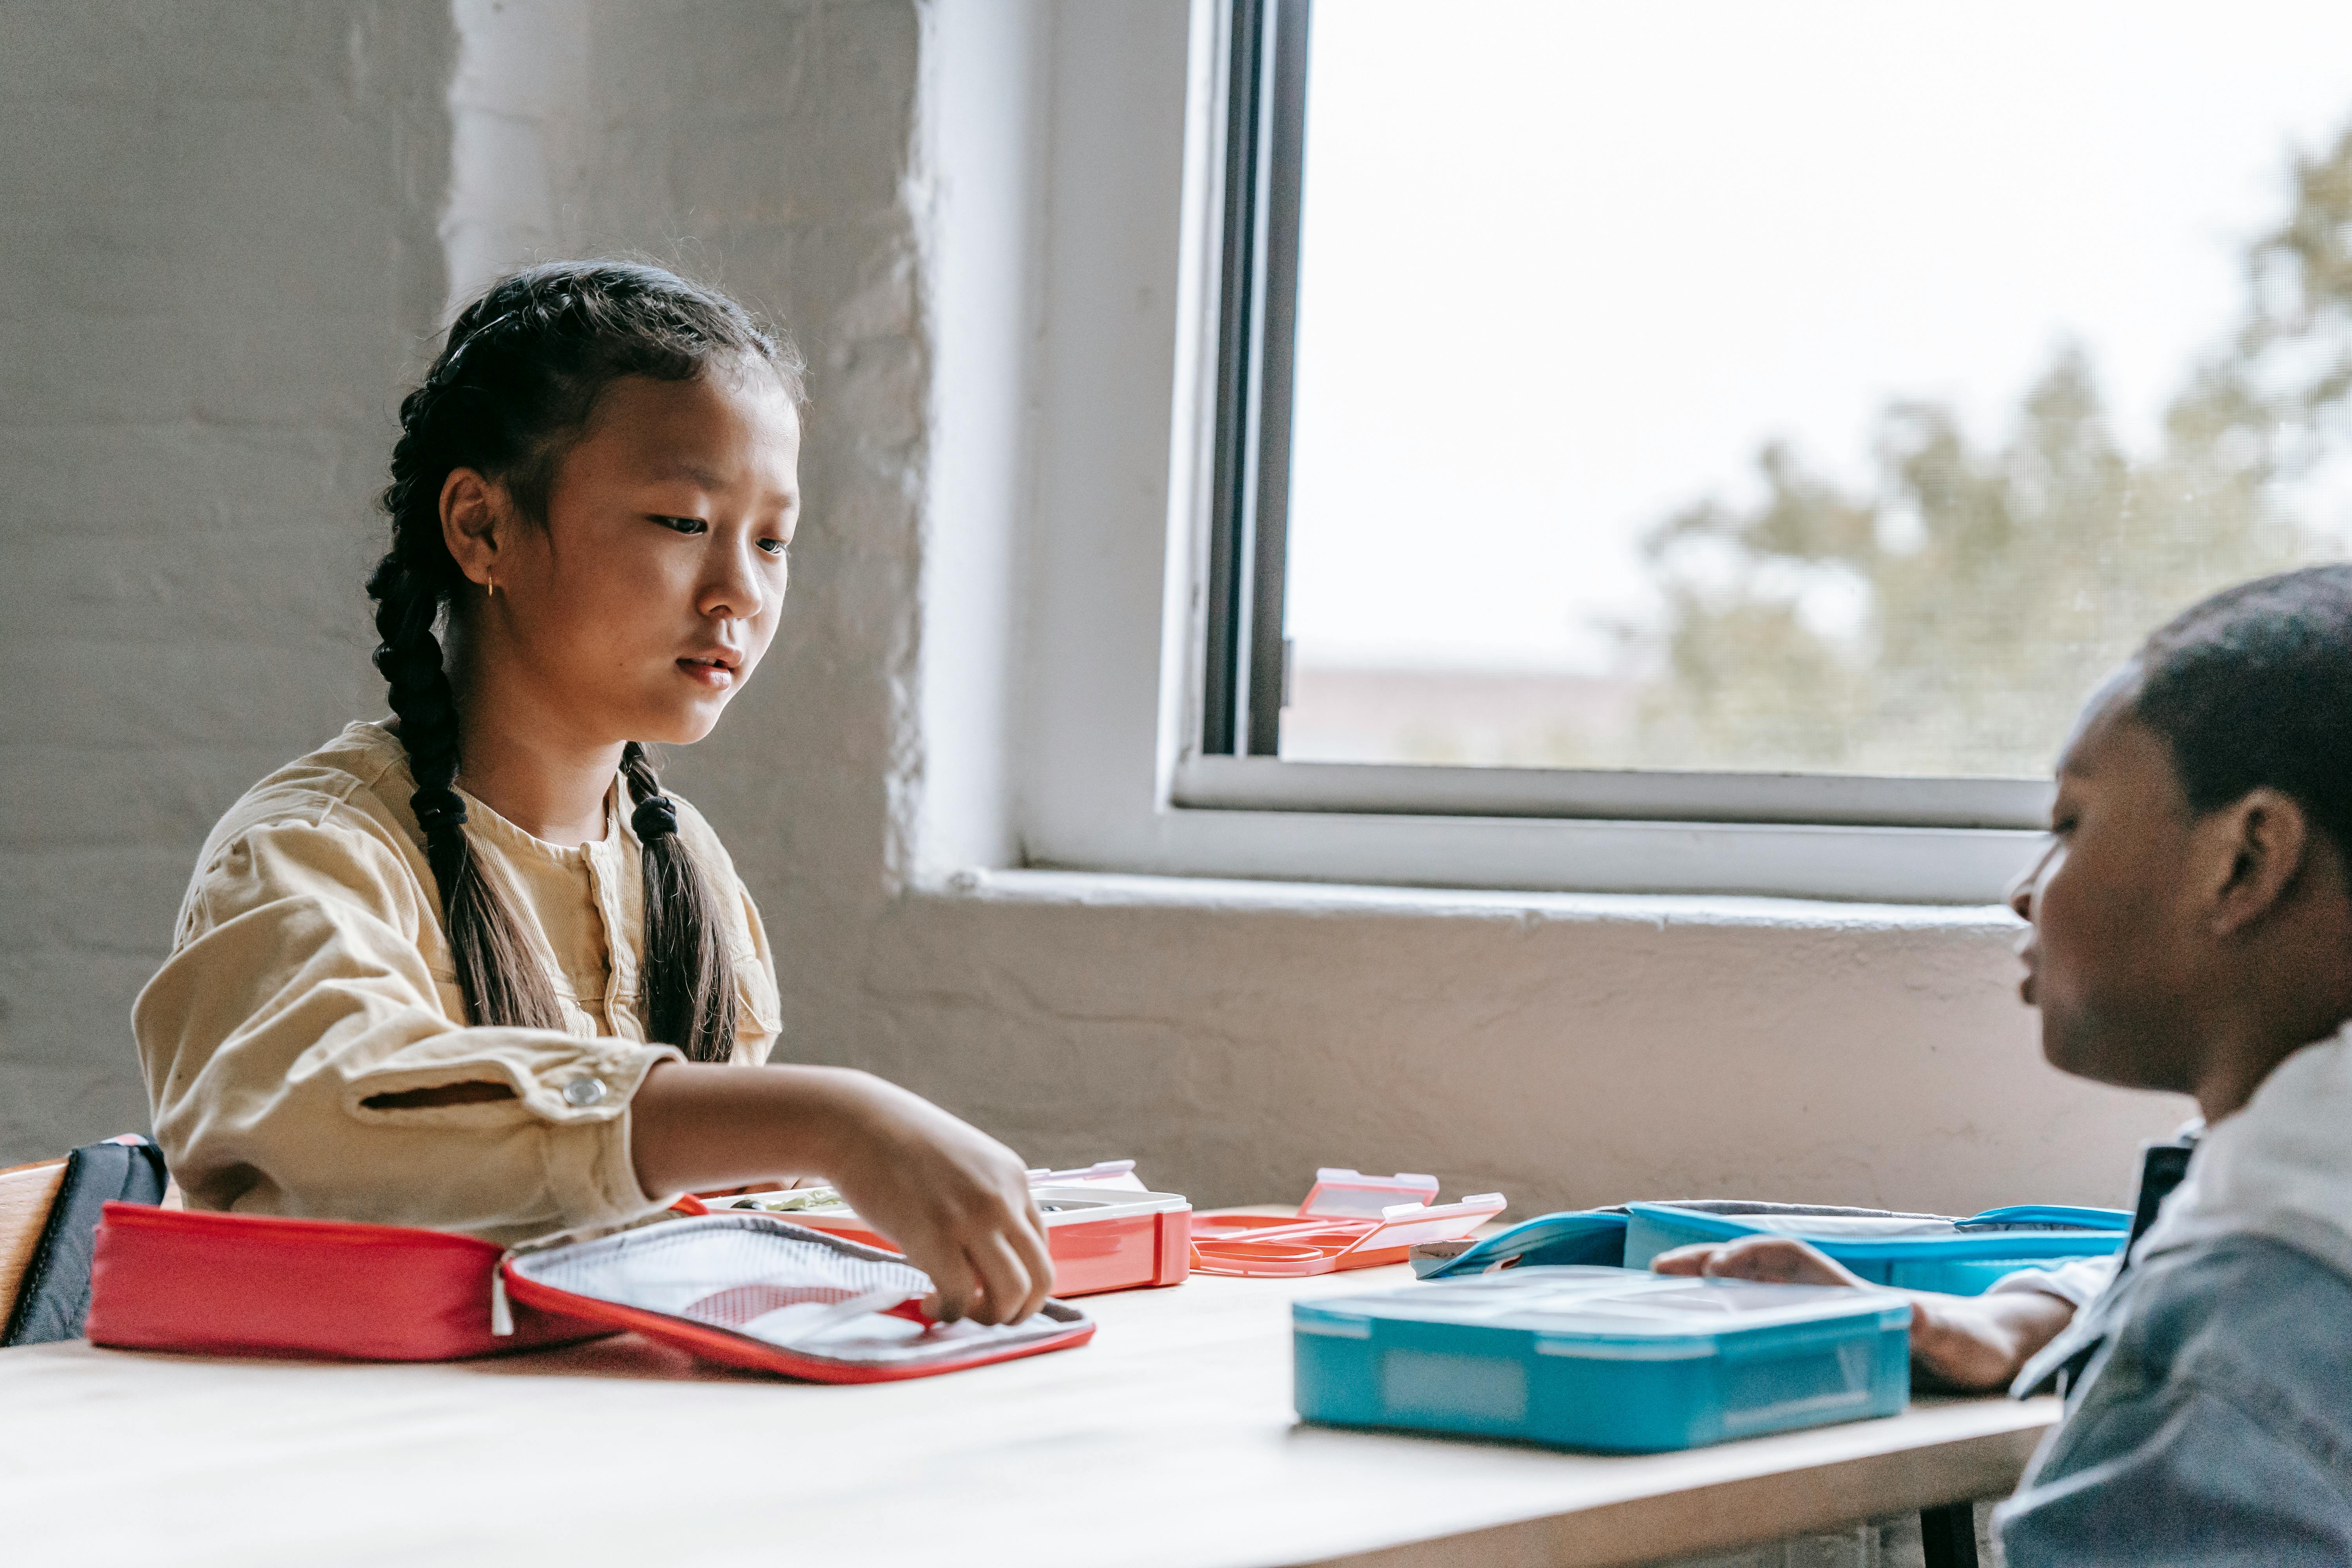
(1960, 1256)
(1602, 1358)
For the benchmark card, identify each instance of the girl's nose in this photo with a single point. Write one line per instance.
(734, 593)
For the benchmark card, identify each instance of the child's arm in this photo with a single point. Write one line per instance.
(954, 1198)
(1973, 1342)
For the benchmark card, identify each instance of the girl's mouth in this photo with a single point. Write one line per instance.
(715, 673)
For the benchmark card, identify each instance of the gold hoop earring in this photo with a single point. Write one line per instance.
(492, 584)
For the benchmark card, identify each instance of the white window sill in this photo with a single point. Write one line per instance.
(1109, 891)
(1962, 866)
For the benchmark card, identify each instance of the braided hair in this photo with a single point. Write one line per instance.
(510, 391)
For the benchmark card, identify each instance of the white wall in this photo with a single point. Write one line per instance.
(226, 224)
(216, 233)
(1563, 1050)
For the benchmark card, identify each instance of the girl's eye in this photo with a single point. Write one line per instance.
(775, 547)
(684, 524)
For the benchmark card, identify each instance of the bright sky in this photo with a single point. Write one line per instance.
(1568, 265)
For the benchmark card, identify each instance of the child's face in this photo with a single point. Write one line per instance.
(646, 601)
(2114, 959)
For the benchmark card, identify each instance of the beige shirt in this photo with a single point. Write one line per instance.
(310, 973)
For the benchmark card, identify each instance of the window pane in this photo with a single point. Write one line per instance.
(1821, 384)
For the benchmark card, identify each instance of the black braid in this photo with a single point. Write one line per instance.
(689, 995)
(513, 387)
(502, 984)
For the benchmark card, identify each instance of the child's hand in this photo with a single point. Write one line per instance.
(1973, 1342)
(1980, 1343)
(955, 1200)
(1773, 1259)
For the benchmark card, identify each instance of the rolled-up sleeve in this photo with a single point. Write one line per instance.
(2079, 1282)
(299, 997)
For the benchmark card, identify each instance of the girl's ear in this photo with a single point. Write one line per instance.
(2266, 836)
(474, 514)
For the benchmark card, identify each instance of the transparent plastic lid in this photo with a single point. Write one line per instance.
(1613, 1303)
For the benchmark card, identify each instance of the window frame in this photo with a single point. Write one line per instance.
(1154, 553)
(1244, 664)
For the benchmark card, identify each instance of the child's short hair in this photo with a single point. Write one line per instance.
(2252, 687)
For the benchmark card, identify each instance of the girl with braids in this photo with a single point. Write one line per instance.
(472, 968)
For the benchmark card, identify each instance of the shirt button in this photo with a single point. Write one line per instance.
(584, 1092)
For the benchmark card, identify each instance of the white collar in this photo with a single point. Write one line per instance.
(2280, 1166)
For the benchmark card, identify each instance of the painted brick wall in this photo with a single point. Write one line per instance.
(234, 228)
(217, 233)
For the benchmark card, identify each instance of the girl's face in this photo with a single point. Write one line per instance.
(645, 601)
(2114, 959)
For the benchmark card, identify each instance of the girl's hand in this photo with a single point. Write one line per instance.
(955, 1200)
(1976, 1343)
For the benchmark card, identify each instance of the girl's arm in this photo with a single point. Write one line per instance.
(954, 1198)
(1977, 1343)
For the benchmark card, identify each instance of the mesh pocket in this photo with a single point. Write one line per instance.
(779, 1283)
(725, 1273)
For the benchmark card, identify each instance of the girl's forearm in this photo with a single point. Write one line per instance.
(694, 1126)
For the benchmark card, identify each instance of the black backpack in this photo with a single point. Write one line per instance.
(53, 1298)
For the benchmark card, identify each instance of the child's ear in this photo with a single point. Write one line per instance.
(2266, 839)
(473, 522)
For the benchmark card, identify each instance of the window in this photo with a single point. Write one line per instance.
(1720, 411)
(1176, 534)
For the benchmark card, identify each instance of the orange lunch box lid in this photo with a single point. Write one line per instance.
(1101, 1174)
(1081, 1203)
(1078, 1203)
(1349, 1220)
(1351, 1194)
(822, 1205)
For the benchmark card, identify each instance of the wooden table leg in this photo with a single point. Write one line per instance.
(1947, 1535)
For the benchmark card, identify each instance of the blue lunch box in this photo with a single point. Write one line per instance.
(1602, 1358)
(1961, 1258)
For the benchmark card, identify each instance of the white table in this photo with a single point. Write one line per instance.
(1169, 1440)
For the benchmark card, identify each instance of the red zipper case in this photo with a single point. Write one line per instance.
(232, 1284)
(746, 1289)
(1350, 1220)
